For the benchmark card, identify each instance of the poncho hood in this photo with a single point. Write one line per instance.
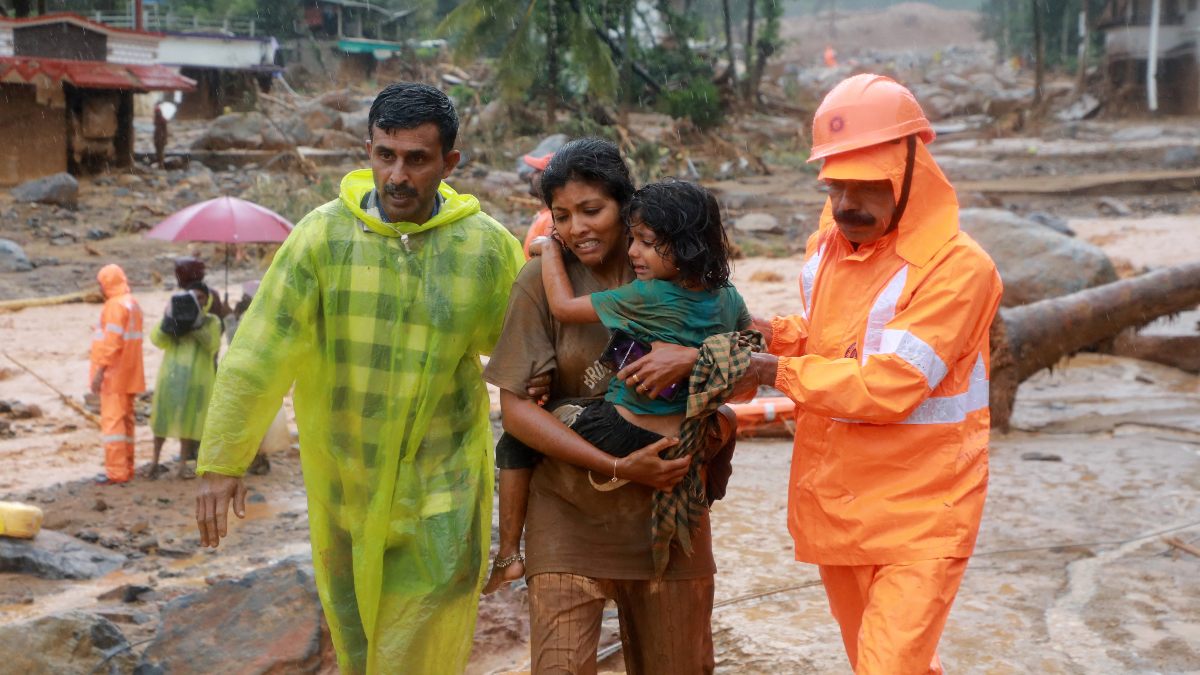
(357, 184)
(112, 280)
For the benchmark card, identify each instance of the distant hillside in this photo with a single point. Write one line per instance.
(902, 26)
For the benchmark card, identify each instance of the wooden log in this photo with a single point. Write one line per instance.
(1033, 337)
(93, 296)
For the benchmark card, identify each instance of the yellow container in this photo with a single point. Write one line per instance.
(22, 521)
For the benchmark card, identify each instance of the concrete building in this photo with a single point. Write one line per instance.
(229, 70)
(66, 94)
(1152, 58)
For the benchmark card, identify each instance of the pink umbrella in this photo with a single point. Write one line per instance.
(226, 220)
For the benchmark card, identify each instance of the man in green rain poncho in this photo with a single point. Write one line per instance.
(377, 307)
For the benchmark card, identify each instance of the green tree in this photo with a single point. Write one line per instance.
(534, 42)
(1013, 27)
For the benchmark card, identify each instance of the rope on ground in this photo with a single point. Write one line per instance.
(119, 650)
(605, 652)
(1122, 542)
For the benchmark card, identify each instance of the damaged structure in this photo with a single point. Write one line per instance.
(229, 70)
(66, 94)
(353, 35)
(1153, 61)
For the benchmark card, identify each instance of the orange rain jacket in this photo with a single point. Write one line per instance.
(888, 365)
(117, 340)
(542, 226)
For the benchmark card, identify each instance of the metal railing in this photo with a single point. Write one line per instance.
(153, 21)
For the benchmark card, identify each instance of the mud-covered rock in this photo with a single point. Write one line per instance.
(342, 100)
(319, 118)
(13, 258)
(1035, 261)
(235, 130)
(73, 642)
(331, 139)
(356, 123)
(269, 621)
(59, 188)
(54, 555)
(763, 223)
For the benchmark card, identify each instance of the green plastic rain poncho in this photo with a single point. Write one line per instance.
(185, 380)
(380, 326)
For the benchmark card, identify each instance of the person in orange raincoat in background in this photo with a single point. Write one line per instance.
(543, 221)
(887, 361)
(116, 372)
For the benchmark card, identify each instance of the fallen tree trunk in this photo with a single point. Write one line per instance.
(1033, 337)
(1177, 351)
(81, 296)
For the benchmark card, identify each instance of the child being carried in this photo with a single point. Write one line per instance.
(680, 255)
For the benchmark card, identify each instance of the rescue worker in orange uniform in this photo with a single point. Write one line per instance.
(116, 372)
(887, 361)
(543, 221)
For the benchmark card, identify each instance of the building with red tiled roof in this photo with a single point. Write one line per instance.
(66, 93)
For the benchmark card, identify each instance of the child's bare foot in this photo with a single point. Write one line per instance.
(505, 570)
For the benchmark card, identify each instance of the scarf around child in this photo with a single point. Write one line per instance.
(723, 360)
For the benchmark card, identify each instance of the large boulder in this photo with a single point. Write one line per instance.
(13, 258)
(244, 131)
(73, 642)
(356, 123)
(58, 188)
(54, 555)
(235, 130)
(297, 130)
(269, 621)
(319, 118)
(331, 139)
(342, 100)
(1035, 261)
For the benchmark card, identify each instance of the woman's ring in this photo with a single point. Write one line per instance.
(634, 378)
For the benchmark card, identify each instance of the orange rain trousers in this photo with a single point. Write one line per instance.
(116, 432)
(892, 616)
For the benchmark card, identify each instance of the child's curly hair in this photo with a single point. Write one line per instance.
(687, 221)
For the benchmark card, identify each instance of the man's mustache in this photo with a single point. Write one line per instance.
(853, 217)
(393, 190)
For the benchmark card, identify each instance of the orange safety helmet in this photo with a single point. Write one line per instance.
(866, 110)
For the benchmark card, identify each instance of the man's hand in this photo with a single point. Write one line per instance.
(212, 506)
(665, 365)
(646, 467)
(538, 387)
(98, 380)
(763, 370)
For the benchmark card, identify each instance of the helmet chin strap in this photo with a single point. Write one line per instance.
(910, 159)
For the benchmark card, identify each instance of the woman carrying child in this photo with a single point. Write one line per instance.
(585, 544)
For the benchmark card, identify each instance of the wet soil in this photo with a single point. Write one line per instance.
(1072, 572)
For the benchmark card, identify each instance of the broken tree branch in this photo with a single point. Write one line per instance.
(1176, 542)
(94, 419)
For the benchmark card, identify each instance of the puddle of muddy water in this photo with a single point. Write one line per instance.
(1153, 241)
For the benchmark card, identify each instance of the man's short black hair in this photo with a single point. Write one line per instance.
(408, 105)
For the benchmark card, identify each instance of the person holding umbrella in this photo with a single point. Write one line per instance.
(377, 308)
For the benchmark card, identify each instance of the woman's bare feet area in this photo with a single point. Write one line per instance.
(505, 570)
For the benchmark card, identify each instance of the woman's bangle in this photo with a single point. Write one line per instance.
(614, 478)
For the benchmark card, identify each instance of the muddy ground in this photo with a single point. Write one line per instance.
(1073, 572)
